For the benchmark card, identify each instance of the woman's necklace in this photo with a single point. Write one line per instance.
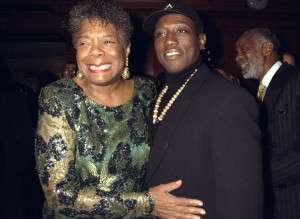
(156, 118)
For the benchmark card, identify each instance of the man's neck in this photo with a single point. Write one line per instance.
(268, 64)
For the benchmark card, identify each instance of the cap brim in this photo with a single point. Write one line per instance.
(151, 20)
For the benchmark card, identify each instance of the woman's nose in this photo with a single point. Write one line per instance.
(97, 50)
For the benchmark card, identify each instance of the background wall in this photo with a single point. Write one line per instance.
(34, 36)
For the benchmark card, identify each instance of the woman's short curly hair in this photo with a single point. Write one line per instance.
(104, 10)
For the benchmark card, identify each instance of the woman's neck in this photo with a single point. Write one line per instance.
(111, 95)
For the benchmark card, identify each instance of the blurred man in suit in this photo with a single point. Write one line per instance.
(258, 56)
(205, 128)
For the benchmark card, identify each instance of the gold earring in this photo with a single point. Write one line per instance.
(125, 73)
(79, 74)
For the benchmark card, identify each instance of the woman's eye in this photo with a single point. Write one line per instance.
(109, 42)
(82, 43)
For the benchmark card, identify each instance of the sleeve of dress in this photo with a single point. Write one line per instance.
(64, 191)
(237, 158)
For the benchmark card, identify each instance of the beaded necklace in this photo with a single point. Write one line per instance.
(156, 118)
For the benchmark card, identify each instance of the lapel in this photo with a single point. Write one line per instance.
(166, 130)
(275, 88)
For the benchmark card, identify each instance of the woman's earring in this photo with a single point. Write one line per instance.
(79, 75)
(125, 73)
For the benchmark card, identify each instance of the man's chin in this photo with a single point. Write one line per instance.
(246, 75)
(173, 69)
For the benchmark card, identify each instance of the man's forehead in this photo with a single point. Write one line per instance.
(176, 18)
(245, 40)
(70, 65)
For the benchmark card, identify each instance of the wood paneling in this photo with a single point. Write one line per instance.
(225, 20)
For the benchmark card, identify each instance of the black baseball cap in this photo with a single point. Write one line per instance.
(171, 8)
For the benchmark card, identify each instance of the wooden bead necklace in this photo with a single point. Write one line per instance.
(156, 118)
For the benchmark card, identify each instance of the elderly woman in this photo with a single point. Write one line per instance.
(92, 142)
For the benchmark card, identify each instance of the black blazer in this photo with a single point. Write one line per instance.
(210, 139)
(16, 152)
(280, 122)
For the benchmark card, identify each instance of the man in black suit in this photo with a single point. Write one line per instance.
(205, 128)
(16, 152)
(258, 56)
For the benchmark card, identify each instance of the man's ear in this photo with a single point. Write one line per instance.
(202, 40)
(267, 48)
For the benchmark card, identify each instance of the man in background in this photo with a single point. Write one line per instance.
(258, 56)
(68, 69)
(16, 153)
(289, 58)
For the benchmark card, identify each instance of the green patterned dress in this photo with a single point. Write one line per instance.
(92, 159)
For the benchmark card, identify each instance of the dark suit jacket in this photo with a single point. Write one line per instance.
(16, 151)
(280, 121)
(210, 139)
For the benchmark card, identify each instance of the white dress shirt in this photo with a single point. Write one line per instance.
(269, 75)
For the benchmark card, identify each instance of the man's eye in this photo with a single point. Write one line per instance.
(243, 50)
(181, 31)
(157, 35)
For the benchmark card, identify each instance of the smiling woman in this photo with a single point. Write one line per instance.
(92, 141)
(101, 55)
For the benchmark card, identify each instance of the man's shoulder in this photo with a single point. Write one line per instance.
(286, 74)
(212, 75)
(289, 71)
(223, 92)
(225, 86)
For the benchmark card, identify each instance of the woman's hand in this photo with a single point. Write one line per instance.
(169, 206)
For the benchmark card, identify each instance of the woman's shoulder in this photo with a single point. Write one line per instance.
(61, 94)
(145, 85)
(140, 81)
(63, 85)
(143, 79)
(60, 90)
